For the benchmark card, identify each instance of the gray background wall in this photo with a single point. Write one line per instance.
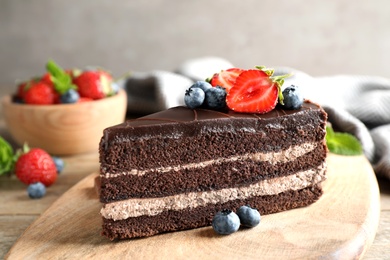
(318, 37)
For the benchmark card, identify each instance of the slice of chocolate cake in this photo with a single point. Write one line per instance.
(174, 170)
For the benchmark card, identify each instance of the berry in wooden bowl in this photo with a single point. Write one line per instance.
(60, 118)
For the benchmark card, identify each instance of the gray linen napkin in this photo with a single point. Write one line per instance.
(359, 105)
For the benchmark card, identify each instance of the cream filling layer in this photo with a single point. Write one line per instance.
(153, 206)
(290, 154)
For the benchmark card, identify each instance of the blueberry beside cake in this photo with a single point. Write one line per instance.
(175, 169)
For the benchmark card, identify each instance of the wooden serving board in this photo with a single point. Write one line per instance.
(341, 225)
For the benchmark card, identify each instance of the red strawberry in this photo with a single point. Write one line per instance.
(46, 78)
(253, 92)
(73, 73)
(226, 78)
(36, 165)
(95, 84)
(39, 93)
(21, 90)
(84, 99)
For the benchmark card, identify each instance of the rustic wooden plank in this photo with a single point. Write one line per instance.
(13, 192)
(10, 229)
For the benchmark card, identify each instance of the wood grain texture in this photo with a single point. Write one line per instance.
(341, 225)
(64, 129)
(11, 228)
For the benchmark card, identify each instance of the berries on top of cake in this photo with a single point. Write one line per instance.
(245, 91)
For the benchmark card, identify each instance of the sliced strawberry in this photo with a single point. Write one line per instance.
(226, 78)
(253, 92)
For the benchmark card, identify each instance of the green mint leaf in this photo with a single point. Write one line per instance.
(342, 143)
(329, 132)
(61, 80)
(6, 156)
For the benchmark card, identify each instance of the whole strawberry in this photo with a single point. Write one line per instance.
(21, 89)
(36, 165)
(95, 84)
(40, 93)
(46, 78)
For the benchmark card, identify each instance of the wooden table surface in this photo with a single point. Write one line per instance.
(17, 211)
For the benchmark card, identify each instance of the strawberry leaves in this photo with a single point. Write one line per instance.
(7, 158)
(62, 81)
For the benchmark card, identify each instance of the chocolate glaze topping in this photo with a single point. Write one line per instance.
(184, 114)
(186, 121)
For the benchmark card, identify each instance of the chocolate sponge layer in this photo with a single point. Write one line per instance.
(217, 176)
(134, 146)
(169, 221)
(180, 136)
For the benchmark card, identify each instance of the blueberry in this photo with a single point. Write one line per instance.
(215, 98)
(36, 190)
(249, 217)
(17, 100)
(115, 87)
(194, 97)
(59, 163)
(202, 85)
(225, 222)
(70, 96)
(293, 98)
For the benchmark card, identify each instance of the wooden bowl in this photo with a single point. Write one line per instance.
(64, 129)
